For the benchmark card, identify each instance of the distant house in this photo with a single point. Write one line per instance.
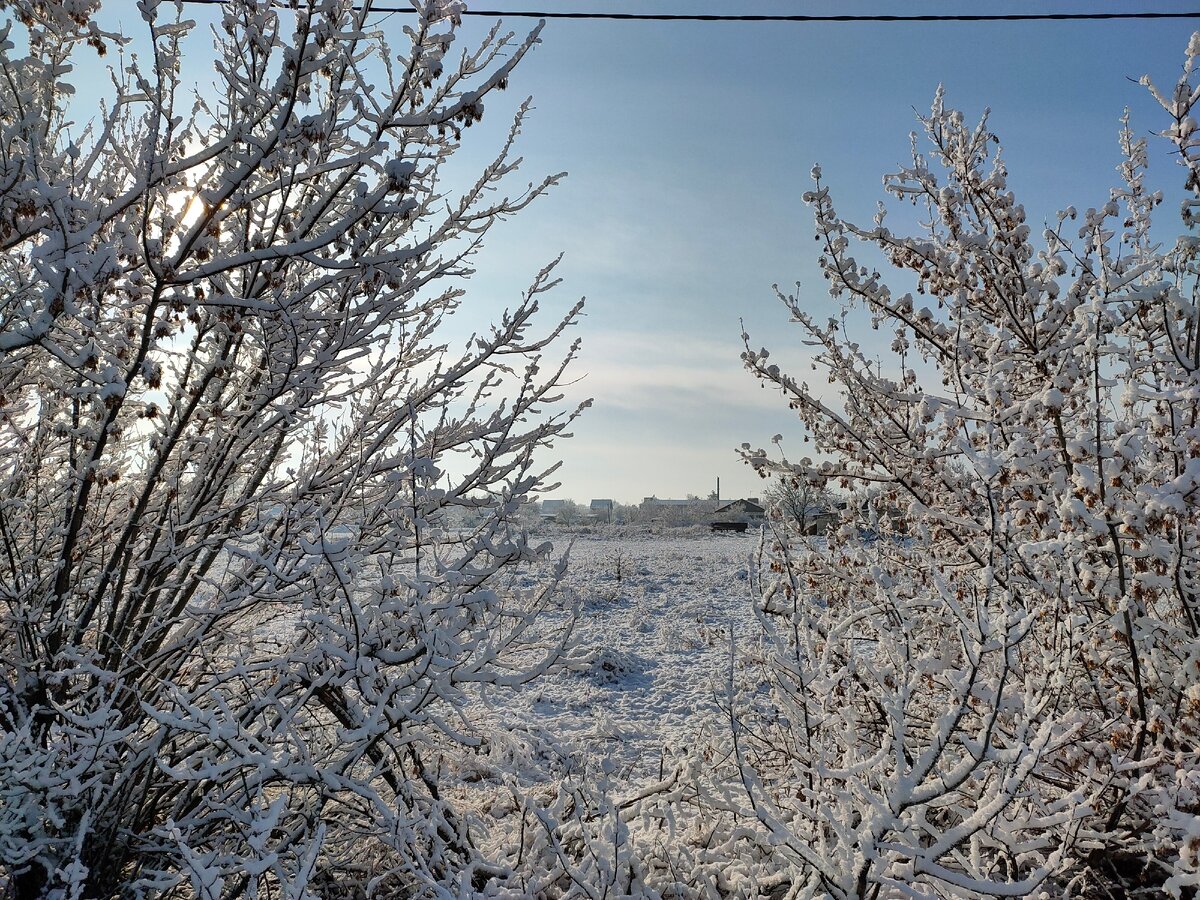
(873, 514)
(601, 511)
(745, 510)
(551, 509)
(819, 519)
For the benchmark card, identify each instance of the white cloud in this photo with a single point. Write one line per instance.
(674, 371)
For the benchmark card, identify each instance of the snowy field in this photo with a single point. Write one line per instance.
(653, 642)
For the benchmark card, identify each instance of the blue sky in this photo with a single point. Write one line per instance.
(688, 148)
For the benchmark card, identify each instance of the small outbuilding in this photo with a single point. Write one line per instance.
(738, 515)
(819, 519)
(739, 527)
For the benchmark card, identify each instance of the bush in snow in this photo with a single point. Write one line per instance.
(995, 693)
(234, 632)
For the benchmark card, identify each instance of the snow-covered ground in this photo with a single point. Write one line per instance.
(655, 654)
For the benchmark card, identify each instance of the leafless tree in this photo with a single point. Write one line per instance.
(991, 701)
(234, 631)
(799, 501)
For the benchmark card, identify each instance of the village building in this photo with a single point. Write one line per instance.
(600, 511)
(747, 510)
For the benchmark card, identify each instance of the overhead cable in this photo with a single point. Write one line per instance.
(794, 17)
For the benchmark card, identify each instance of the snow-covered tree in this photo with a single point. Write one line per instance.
(799, 501)
(569, 513)
(998, 695)
(234, 633)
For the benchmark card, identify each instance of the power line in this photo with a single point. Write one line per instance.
(700, 17)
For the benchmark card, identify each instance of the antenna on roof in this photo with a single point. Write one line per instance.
(718, 490)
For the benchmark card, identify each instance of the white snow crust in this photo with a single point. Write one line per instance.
(651, 657)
